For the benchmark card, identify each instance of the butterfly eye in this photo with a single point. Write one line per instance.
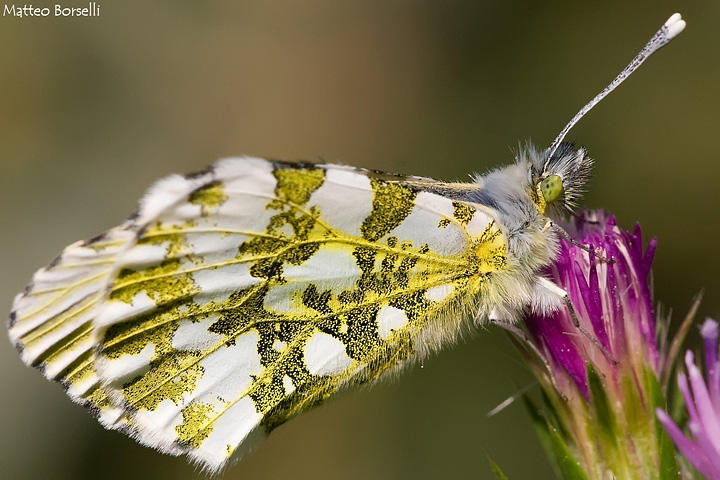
(551, 188)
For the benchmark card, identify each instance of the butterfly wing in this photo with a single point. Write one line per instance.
(241, 296)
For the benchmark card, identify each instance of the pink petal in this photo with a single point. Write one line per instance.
(687, 396)
(708, 417)
(709, 332)
(709, 449)
(690, 450)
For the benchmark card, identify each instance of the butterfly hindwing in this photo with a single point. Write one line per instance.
(242, 296)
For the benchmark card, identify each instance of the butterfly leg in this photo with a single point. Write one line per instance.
(563, 233)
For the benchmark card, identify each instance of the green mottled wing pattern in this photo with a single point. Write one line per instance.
(241, 296)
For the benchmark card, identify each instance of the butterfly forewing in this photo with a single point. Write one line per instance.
(249, 293)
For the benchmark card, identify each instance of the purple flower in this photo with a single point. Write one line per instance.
(612, 302)
(601, 378)
(702, 399)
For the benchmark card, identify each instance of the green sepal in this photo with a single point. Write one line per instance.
(634, 406)
(496, 469)
(668, 467)
(676, 401)
(605, 418)
(551, 413)
(560, 456)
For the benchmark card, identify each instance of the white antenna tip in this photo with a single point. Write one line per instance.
(671, 29)
(675, 24)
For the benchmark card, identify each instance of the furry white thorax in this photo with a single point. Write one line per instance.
(531, 244)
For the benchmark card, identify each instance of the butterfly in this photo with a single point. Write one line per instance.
(240, 296)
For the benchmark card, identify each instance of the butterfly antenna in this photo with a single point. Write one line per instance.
(674, 25)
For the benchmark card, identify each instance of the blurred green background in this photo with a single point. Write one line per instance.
(93, 110)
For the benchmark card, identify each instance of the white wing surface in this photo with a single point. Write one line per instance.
(238, 297)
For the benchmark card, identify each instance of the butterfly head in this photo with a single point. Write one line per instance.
(559, 180)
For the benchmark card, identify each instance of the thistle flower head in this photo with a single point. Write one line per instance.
(600, 379)
(612, 302)
(702, 399)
